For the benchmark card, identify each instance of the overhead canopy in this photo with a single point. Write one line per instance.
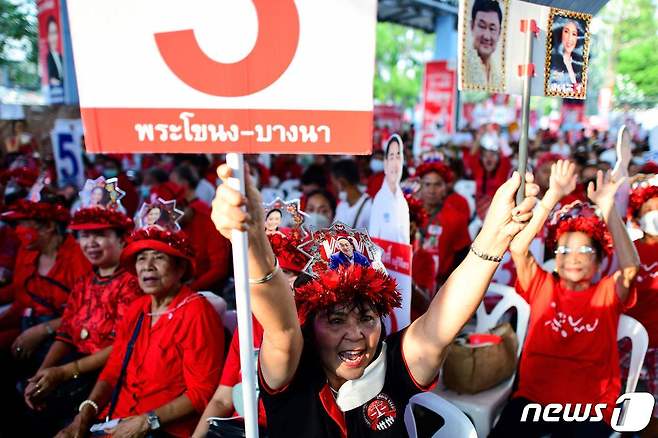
(421, 14)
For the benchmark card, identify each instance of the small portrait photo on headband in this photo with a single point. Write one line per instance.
(282, 217)
(567, 54)
(159, 213)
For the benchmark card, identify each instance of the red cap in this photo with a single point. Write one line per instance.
(24, 209)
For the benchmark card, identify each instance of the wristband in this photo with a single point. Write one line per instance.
(269, 276)
(90, 403)
(486, 257)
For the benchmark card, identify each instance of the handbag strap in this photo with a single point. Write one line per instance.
(124, 365)
(358, 213)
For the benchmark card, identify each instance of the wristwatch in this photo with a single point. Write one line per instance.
(153, 421)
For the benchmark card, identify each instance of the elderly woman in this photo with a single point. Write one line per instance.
(94, 309)
(570, 353)
(336, 373)
(168, 353)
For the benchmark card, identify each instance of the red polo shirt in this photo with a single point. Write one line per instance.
(95, 308)
(44, 294)
(181, 354)
(646, 281)
(212, 250)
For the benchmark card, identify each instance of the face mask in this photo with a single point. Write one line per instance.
(111, 173)
(342, 196)
(27, 235)
(377, 165)
(317, 221)
(649, 223)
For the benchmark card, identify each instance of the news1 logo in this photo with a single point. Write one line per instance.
(634, 417)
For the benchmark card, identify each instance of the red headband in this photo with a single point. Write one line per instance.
(435, 166)
(348, 285)
(99, 218)
(594, 227)
(639, 196)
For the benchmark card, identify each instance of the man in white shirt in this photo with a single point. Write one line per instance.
(389, 218)
(354, 207)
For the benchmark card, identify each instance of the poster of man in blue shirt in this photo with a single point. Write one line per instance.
(346, 255)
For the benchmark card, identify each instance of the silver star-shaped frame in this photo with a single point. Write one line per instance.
(292, 217)
(166, 217)
(322, 245)
(108, 190)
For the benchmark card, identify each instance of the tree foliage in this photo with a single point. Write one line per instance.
(19, 35)
(400, 58)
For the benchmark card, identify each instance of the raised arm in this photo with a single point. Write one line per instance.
(426, 339)
(562, 182)
(272, 302)
(603, 195)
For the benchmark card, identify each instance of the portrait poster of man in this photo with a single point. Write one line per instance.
(483, 34)
(567, 54)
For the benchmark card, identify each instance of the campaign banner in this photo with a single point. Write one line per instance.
(225, 76)
(439, 97)
(492, 42)
(66, 138)
(51, 51)
(396, 258)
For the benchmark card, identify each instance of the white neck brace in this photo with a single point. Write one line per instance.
(355, 393)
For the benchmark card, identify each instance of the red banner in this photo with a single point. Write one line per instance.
(439, 96)
(396, 256)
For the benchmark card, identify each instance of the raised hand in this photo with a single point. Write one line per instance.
(603, 192)
(563, 180)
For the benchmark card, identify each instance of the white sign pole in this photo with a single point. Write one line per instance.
(243, 303)
(525, 114)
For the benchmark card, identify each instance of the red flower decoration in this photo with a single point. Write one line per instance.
(24, 209)
(417, 212)
(594, 227)
(101, 216)
(438, 167)
(347, 285)
(286, 251)
(638, 197)
(176, 240)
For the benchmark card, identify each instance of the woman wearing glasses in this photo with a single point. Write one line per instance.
(570, 353)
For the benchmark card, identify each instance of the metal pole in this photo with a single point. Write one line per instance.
(243, 303)
(525, 116)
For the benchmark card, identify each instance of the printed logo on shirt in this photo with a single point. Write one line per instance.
(567, 325)
(380, 412)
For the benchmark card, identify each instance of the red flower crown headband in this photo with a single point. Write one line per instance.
(641, 193)
(101, 217)
(582, 217)
(351, 284)
(438, 167)
(46, 211)
(177, 240)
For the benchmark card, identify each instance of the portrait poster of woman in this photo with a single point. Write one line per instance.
(483, 38)
(567, 54)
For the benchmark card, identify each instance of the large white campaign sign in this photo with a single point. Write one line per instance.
(66, 137)
(225, 75)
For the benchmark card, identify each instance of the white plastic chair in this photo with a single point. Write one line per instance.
(467, 188)
(484, 407)
(218, 303)
(455, 423)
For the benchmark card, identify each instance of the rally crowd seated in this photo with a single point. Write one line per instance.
(101, 318)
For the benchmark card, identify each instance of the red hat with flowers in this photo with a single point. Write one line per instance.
(101, 207)
(158, 230)
(33, 207)
(641, 192)
(342, 280)
(579, 217)
(438, 167)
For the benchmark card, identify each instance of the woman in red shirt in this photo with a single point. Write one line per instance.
(570, 353)
(643, 209)
(326, 368)
(95, 306)
(168, 353)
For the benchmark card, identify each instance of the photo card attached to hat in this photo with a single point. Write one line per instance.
(284, 216)
(101, 192)
(159, 213)
(340, 245)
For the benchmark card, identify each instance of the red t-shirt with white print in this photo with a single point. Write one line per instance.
(570, 352)
(646, 282)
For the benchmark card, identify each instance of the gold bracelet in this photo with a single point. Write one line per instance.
(269, 276)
